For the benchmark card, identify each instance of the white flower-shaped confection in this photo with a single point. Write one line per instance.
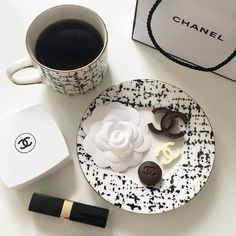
(116, 136)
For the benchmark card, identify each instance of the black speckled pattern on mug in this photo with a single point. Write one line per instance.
(188, 176)
(78, 81)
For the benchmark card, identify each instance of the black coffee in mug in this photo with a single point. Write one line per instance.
(68, 44)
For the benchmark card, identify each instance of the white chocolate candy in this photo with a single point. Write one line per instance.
(116, 136)
(168, 154)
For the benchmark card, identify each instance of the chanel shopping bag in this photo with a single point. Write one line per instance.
(199, 34)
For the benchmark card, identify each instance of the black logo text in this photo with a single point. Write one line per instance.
(25, 143)
(198, 28)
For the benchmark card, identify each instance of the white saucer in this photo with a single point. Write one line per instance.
(182, 179)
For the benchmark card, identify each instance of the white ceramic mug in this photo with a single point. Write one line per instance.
(71, 82)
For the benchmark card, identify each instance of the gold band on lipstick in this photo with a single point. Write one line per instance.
(66, 209)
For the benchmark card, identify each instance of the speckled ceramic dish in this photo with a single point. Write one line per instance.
(182, 179)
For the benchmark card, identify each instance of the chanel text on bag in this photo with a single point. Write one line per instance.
(200, 29)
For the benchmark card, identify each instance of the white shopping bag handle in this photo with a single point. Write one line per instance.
(174, 59)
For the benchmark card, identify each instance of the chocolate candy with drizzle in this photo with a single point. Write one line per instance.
(168, 122)
(149, 173)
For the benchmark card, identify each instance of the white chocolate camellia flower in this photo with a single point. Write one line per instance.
(116, 136)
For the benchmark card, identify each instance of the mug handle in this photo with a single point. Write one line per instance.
(21, 65)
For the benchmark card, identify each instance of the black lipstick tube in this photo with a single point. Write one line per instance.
(67, 209)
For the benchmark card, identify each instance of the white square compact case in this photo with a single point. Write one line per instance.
(32, 147)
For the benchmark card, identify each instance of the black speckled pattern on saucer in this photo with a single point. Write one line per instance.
(188, 177)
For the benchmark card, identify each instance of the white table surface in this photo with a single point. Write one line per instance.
(211, 212)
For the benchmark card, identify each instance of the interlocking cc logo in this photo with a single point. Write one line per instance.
(168, 154)
(25, 143)
(168, 122)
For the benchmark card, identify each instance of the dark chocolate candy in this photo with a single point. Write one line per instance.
(149, 173)
(160, 109)
(154, 129)
(168, 122)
